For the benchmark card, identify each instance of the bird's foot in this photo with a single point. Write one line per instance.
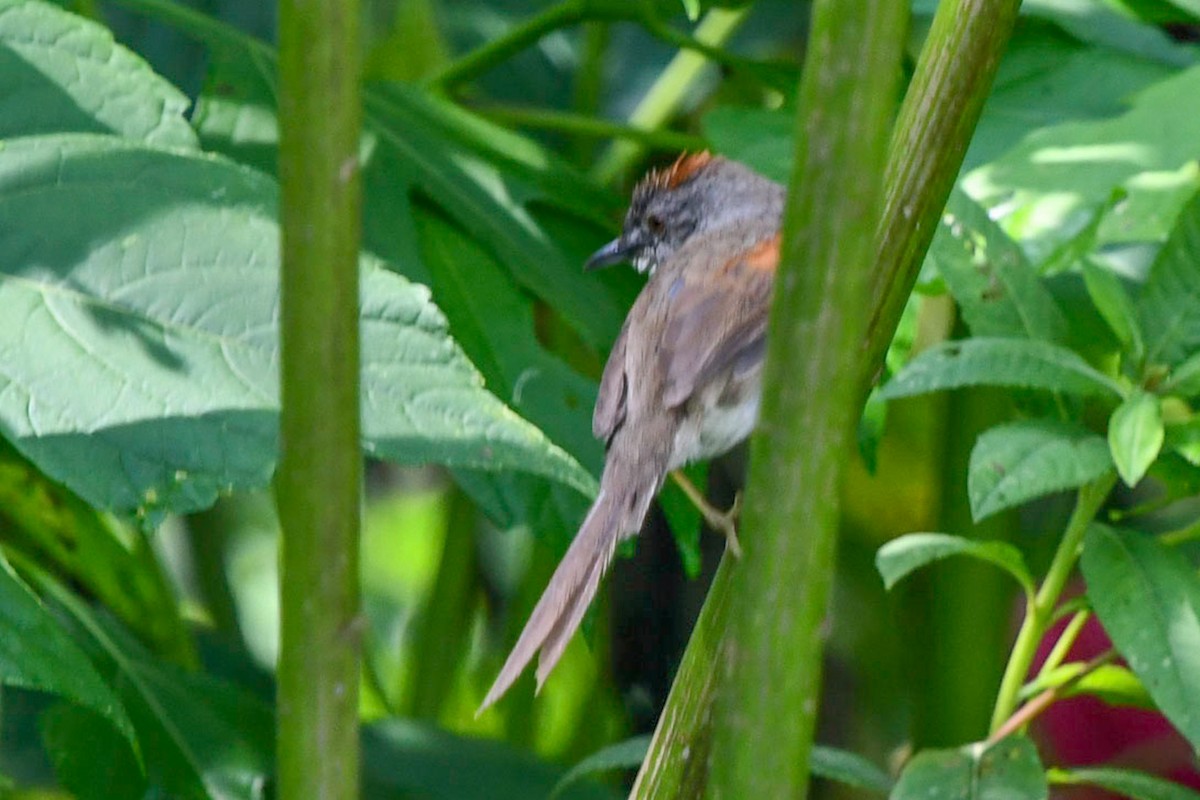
(723, 521)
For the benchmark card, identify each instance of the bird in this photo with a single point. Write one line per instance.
(684, 378)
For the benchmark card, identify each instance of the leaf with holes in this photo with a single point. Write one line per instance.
(1017, 462)
(995, 286)
(1019, 363)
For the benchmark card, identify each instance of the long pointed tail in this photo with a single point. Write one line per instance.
(616, 515)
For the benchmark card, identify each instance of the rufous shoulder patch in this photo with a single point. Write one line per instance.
(764, 255)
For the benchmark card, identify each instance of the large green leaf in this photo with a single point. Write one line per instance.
(1169, 305)
(906, 554)
(1045, 185)
(1125, 782)
(1135, 435)
(1147, 596)
(997, 290)
(1021, 363)
(1019, 461)
(1007, 770)
(60, 72)
(162, 302)
(486, 178)
(35, 653)
(627, 754)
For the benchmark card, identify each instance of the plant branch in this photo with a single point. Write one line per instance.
(497, 51)
(953, 78)
(1038, 616)
(1037, 705)
(770, 676)
(670, 89)
(581, 125)
(928, 131)
(319, 481)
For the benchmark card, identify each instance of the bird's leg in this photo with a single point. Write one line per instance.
(723, 521)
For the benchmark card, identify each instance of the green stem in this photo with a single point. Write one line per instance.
(945, 98)
(770, 678)
(497, 51)
(676, 766)
(1065, 641)
(1049, 697)
(319, 480)
(1038, 616)
(1172, 538)
(670, 89)
(580, 125)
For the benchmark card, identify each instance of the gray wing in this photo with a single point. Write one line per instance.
(614, 392)
(718, 323)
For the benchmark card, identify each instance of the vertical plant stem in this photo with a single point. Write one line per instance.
(954, 75)
(929, 127)
(769, 686)
(320, 470)
(670, 89)
(1038, 616)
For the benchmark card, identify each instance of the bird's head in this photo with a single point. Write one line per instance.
(698, 193)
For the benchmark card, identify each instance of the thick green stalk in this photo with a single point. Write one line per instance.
(320, 469)
(954, 76)
(1038, 617)
(770, 678)
(670, 89)
(686, 719)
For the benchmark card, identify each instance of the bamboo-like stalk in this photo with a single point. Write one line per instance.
(769, 685)
(953, 77)
(320, 470)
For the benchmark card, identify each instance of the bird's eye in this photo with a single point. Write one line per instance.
(655, 223)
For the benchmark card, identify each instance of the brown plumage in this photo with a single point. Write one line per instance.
(683, 380)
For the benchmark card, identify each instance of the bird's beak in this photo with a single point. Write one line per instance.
(614, 252)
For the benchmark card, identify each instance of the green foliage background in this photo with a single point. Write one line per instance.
(1060, 300)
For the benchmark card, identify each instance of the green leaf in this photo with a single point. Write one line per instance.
(692, 8)
(403, 759)
(848, 768)
(1184, 439)
(757, 137)
(1113, 302)
(1007, 770)
(36, 653)
(998, 291)
(1046, 183)
(90, 759)
(1021, 363)
(1135, 435)
(906, 554)
(1147, 596)
(485, 177)
(1170, 301)
(627, 754)
(164, 302)
(1185, 379)
(1019, 461)
(200, 737)
(60, 72)
(1125, 782)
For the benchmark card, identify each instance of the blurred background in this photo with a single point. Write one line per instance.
(452, 564)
